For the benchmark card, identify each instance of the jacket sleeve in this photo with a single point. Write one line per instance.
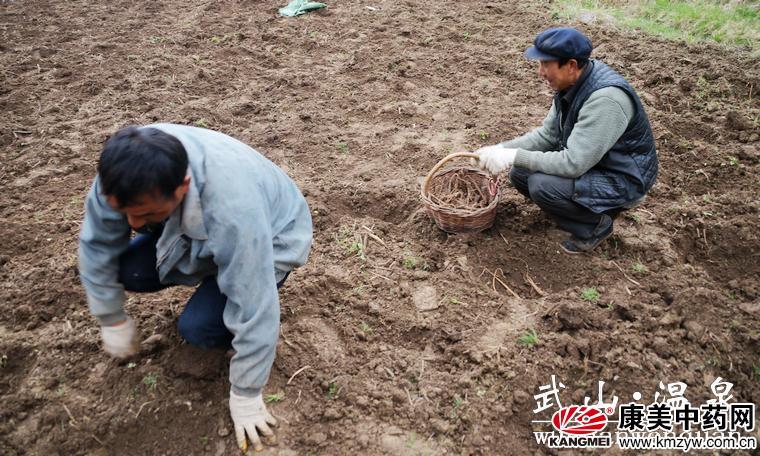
(103, 237)
(243, 252)
(541, 138)
(603, 118)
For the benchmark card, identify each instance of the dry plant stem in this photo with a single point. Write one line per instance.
(533, 284)
(626, 275)
(296, 373)
(495, 279)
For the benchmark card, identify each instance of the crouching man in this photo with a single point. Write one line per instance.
(594, 156)
(210, 211)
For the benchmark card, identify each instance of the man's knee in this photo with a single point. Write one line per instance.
(519, 179)
(548, 189)
(202, 332)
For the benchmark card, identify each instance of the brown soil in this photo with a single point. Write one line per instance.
(411, 348)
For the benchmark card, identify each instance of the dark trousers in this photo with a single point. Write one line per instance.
(553, 194)
(201, 322)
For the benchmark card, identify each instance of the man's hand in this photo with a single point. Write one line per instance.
(248, 415)
(120, 340)
(496, 159)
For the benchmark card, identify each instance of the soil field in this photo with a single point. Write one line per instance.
(402, 339)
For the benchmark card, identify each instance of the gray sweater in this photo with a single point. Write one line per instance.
(602, 120)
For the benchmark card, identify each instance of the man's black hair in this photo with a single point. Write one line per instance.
(135, 161)
(581, 62)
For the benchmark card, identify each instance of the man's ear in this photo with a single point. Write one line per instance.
(183, 187)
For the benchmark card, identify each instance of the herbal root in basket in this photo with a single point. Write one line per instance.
(461, 189)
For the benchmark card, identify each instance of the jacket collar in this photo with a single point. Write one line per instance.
(192, 212)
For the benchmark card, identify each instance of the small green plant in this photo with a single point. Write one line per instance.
(611, 305)
(427, 40)
(480, 392)
(412, 439)
(733, 161)
(151, 380)
(457, 405)
(639, 268)
(455, 301)
(529, 338)
(201, 123)
(332, 390)
(357, 248)
(342, 147)
(3, 361)
(484, 136)
(60, 391)
(410, 261)
(756, 371)
(204, 440)
(156, 40)
(225, 38)
(466, 36)
(636, 218)
(706, 198)
(351, 242)
(365, 327)
(131, 365)
(590, 294)
(731, 295)
(272, 398)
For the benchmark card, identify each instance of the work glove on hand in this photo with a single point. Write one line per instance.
(496, 159)
(120, 340)
(248, 415)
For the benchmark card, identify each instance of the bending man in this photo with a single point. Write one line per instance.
(212, 211)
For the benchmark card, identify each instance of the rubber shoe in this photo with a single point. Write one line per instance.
(575, 245)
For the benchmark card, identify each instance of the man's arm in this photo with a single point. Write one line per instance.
(603, 118)
(541, 138)
(103, 237)
(243, 252)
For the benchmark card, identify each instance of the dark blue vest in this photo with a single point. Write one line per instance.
(628, 170)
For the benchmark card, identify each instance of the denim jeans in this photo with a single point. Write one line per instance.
(201, 323)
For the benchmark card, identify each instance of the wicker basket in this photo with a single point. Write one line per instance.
(453, 220)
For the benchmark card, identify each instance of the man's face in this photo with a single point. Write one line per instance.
(151, 207)
(558, 77)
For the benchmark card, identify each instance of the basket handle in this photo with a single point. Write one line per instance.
(443, 161)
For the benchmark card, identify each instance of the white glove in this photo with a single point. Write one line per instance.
(248, 414)
(120, 340)
(496, 158)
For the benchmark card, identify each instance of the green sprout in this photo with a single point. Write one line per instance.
(342, 147)
(590, 294)
(277, 397)
(639, 268)
(332, 390)
(151, 380)
(528, 338)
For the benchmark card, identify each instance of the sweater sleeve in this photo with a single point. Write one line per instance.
(103, 237)
(243, 252)
(541, 138)
(603, 118)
